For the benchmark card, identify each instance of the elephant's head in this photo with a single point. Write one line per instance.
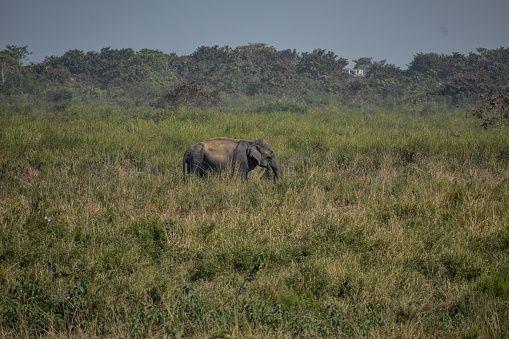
(262, 152)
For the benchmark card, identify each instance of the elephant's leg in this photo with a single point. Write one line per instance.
(240, 169)
(196, 161)
(197, 168)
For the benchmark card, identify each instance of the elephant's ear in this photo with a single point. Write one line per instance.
(253, 151)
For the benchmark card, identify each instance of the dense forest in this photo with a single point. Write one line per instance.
(137, 78)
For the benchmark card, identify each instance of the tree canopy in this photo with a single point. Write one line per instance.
(124, 75)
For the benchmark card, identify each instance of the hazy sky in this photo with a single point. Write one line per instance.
(394, 30)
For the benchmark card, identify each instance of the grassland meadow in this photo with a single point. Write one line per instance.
(385, 224)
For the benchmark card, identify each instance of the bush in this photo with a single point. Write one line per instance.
(494, 112)
(187, 95)
(284, 106)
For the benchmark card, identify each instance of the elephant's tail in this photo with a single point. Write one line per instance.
(185, 160)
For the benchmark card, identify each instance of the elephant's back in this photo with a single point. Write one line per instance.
(222, 140)
(220, 144)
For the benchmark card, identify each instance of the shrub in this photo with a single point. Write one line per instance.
(187, 95)
(494, 112)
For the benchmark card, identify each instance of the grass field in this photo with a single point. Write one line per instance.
(385, 224)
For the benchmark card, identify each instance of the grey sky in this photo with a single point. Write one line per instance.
(394, 30)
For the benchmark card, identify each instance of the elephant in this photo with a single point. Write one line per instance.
(237, 156)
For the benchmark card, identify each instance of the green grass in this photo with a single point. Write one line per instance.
(385, 224)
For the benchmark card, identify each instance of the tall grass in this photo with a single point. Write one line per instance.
(384, 224)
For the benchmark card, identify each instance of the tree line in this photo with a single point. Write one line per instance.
(130, 77)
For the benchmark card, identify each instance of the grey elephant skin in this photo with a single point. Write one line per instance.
(238, 156)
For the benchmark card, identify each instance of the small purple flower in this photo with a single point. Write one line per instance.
(47, 218)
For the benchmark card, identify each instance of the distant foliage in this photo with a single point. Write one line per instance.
(461, 77)
(129, 77)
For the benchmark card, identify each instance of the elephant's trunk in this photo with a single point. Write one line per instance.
(275, 168)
